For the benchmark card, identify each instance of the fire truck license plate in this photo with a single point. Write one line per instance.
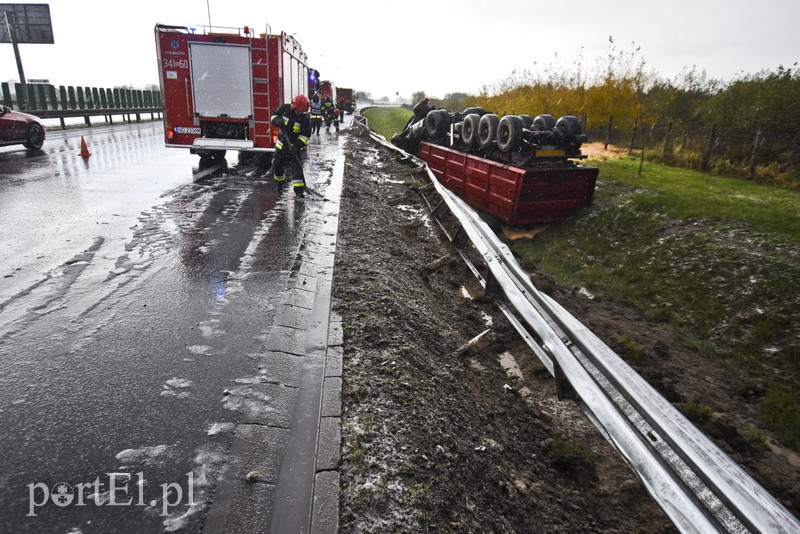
(187, 130)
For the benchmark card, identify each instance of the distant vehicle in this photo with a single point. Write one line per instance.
(20, 128)
(346, 99)
(328, 88)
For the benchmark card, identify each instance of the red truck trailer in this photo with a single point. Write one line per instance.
(219, 86)
(519, 169)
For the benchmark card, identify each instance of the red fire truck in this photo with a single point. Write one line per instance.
(328, 88)
(346, 98)
(219, 86)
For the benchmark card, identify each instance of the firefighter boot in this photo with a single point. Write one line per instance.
(299, 186)
(280, 181)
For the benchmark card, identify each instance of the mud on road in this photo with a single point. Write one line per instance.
(436, 436)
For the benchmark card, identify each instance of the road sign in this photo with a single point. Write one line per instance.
(31, 23)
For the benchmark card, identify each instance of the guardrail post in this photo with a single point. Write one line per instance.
(116, 98)
(72, 104)
(103, 101)
(564, 389)
(460, 238)
(493, 288)
(81, 101)
(96, 98)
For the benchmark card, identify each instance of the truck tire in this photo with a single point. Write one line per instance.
(487, 130)
(569, 125)
(437, 122)
(509, 133)
(527, 121)
(469, 130)
(479, 111)
(544, 123)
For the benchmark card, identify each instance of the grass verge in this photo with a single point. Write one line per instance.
(717, 259)
(387, 121)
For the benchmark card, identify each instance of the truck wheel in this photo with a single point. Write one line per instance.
(509, 133)
(487, 130)
(544, 123)
(527, 121)
(436, 123)
(569, 125)
(469, 130)
(479, 111)
(34, 136)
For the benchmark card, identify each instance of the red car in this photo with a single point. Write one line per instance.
(17, 127)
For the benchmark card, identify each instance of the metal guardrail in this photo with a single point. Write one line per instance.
(699, 487)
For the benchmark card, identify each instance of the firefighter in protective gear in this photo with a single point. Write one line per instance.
(328, 108)
(295, 127)
(316, 113)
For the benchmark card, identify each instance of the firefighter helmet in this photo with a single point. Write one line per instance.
(301, 103)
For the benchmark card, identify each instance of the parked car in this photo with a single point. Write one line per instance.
(17, 127)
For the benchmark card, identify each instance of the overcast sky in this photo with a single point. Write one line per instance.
(435, 46)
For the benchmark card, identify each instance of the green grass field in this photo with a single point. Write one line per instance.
(715, 258)
(387, 121)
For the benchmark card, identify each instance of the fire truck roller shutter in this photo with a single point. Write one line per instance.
(217, 82)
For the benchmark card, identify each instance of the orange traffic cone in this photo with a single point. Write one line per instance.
(84, 150)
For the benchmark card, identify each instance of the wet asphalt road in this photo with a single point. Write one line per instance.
(133, 295)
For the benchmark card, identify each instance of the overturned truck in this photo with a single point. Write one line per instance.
(518, 168)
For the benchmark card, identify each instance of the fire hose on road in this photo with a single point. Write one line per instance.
(697, 485)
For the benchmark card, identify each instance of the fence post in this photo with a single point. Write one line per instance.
(608, 131)
(31, 96)
(633, 135)
(667, 139)
(709, 148)
(751, 169)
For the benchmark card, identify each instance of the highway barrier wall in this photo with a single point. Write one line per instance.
(47, 102)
